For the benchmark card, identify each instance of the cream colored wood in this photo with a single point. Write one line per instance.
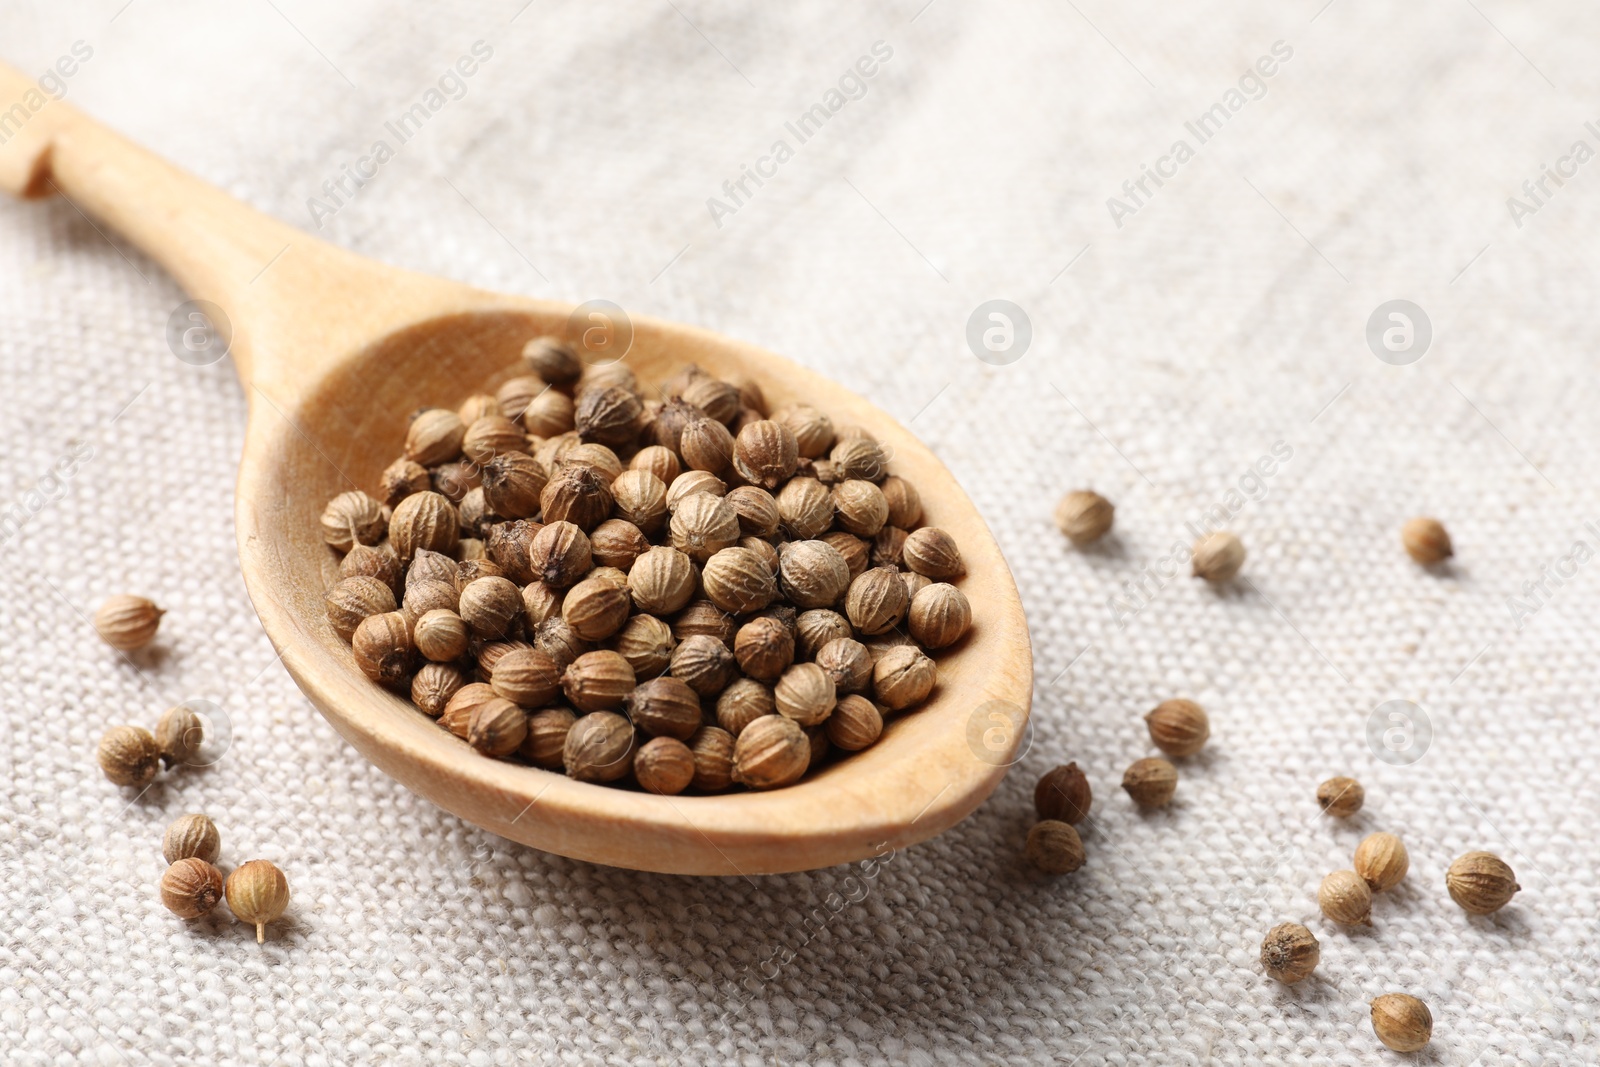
(334, 348)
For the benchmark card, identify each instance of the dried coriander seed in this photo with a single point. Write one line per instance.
(1084, 516)
(659, 461)
(191, 887)
(855, 723)
(490, 653)
(509, 546)
(939, 615)
(400, 479)
(771, 752)
(743, 702)
(815, 628)
(756, 509)
(458, 713)
(598, 681)
(545, 743)
(1341, 797)
(608, 415)
(435, 437)
(191, 837)
(372, 561)
(1345, 898)
(597, 458)
(383, 648)
(765, 454)
(599, 747)
(703, 525)
(932, 552)
(429, 566)
(513, 484)
(560, 554)
(527, 677)
(1402, 1022)
(514, 395)
(903, 677)
(1289, 953)
(617, 543)
(812, 430)
(666, 428)
(129, 755)
(711, 749)
(739, 581)
(353, 518)
(664, 765)
(440, 635)
(704, 618)
(664, 707)
(764, 648)
(127, 623)
(433, 687)
(257, 894)
(1150, 782)
(424, 520)
(706, 445)
(553, 360)
(549, 414)
(489, 606)
(454, 481)
(179, 735)
(477, 406)
(577, 495)
(689, 483)
(860, 507)
(641, 498)
(1426, 541)
(1481, 883)
(662, 580)
(888, 550)
(717, 398)
(805, 508)
(858, 457)
(1178, 727)
(905, 503)
(425, 596)
(876, 601)
(847, 662)
(646, 642)
(704, 663)
(813, 574)
(1218, 557)
(1382, 861)
(1063, 794)
(1054, 847)
(915, 583)
(596, 608)
(856, 552)
(497, 728)
(805, 694)
(491, 436)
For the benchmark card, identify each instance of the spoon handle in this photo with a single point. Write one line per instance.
(294, 303)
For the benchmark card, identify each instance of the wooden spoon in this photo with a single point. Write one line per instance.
(334, 350)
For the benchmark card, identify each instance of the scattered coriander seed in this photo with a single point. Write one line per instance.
(606, 376)
(1381, 861)
(372, 561)
(454, 481)
(855, 723)
(509, 546)
(127, 623)
(578, 495)
(703, 525)
(772, 751)
(903, 677)
(664, 765)
(1217, 557)
(1426, 541)
(489, 606)
(514, 395)
(666, 428)
(353, 518)
(429, 595)
(1345, 898)
(497, 727)
(179, 735)
(435, 437)
(764, 648)
(383, 649)
(617, 543)
(1054, 847)
(1402, 1022)
(599, 747)
(877, 601)
(356, 598)
(857, 553)
(129, 755)
(1178, 727)
(704, 663)
(598, 681)
(805, 694)
(756, 509)
(662, 580)
(527, 677)
(860, 507)
(664, 707)
(717, 398)
(640, 498)
(805, 507)
(932, 552)
(1481, 882)
(712, 751)
(608, 415)
(596, 608)
(546, 739)
(915, 583)
(490, 653)
(553, 360)
(400, 479)
(257, 893)
(459, 710)
(813, 574)
(739, 581)
(766, 454)
(703, 618)
(191, 837)
(847, 662)
(818, 626)
(1341, 797)
(646, 643)
(1084, 516)
(513, 483)
(433, 687)
(706, 445)
(191, 887)
(939, 616)
(764, 551)
(423, 520)
(1150, 782)
(689, 483)
(743, 702)
(440, 635)
(1290, 953)
(597, 458)
(1063, 794)
(429, 566)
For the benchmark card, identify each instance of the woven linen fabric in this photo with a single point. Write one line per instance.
(1197, 349)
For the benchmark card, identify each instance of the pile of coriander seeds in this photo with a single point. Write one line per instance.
(673, 588)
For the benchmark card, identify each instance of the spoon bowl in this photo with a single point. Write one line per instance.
(335, 349)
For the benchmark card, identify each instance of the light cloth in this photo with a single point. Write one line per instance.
(1227, 313)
